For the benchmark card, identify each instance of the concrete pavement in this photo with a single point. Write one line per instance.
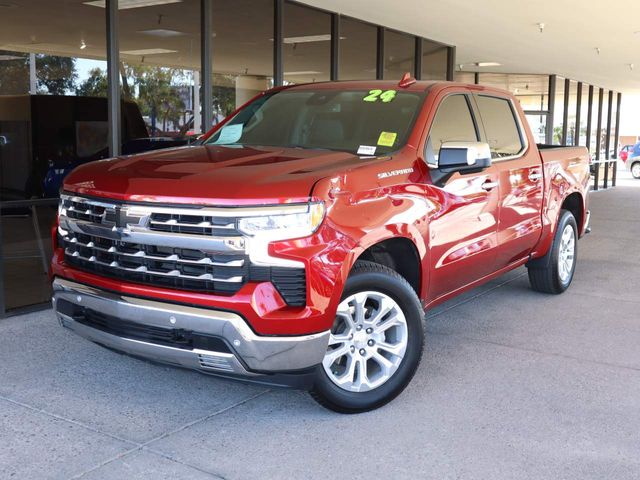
(513, 384)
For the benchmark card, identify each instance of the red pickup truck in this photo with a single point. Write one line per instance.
(302, 241)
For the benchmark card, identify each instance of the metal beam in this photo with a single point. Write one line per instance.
(617, 136)
(417, 61)
(335, 46)
(113, 78)
(451, 63)
(589, 115)
(206, 62)
(380, 54)
(599, 123)
(576, 135)
(552, 109)
(607, 142)
(278, 35)
(565, 111)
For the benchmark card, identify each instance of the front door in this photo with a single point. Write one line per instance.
(463, 228)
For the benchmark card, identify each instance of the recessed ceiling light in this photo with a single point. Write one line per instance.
(161, 32)
(126, 4)
(303, 72)
(487, 64)
(308, 39)
(147, 51)
(83, 44)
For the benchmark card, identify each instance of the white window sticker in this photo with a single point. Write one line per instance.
(229, 134)
(366, 150)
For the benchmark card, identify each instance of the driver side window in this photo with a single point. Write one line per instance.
(453, 123)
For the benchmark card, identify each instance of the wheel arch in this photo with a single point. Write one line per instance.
(575, 204)
(400, 254)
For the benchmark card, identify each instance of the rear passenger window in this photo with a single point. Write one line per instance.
(501, 129)
(452, 123)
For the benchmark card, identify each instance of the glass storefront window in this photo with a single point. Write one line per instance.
(399, 54)
(159, 63)
(538, 126)
(357, 50)
(242, 53)
(307, 44)
(464, 77)
(434, 61)
(613, 148)
(53, 117)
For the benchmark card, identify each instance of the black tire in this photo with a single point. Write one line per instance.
(543, 272)
(635, 173)
(369, 276)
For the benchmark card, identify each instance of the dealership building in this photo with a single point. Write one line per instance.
(87, 79)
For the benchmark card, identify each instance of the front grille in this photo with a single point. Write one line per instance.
(180, 268)
(179, 248)
(170, 337)
(193, 224)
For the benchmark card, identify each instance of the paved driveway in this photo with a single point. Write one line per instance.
(513, 384)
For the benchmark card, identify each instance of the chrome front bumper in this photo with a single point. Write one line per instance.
(272, 360)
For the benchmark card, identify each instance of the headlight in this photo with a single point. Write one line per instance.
(283, 222)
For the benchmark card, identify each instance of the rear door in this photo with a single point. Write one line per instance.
(462, 232)
(519, 169)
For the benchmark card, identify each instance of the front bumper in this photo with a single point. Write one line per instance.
(174, 334)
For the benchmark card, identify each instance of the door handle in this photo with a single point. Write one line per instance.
(534, 176)
(489, 185)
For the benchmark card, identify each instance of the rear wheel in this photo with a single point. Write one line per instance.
(375, 344)
(553, 273)
(635, 170)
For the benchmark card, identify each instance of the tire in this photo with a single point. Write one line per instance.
(340, 384)
(552, 273)
(635, 169)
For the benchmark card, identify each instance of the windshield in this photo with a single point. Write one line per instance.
(365, 122)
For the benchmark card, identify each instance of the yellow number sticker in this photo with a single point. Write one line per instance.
(376, 94)
(388, 96)
(387, 139)
(373, 96)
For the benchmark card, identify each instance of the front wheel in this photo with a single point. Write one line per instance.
(635, 170)
(553, 273)
(375, 344)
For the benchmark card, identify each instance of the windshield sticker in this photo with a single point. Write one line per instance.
(377, 94)
(229, 134)
(387, 139)
(366, 150)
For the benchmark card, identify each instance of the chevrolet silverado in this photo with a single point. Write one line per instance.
(301, 242)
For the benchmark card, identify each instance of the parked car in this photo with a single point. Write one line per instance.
(301, 242)
(624, 152)
(633, 161)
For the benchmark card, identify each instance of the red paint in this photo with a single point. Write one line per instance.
(463, 234)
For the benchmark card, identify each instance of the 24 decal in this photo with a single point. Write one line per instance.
(376, 94)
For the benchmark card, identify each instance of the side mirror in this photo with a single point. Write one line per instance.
(464, 157)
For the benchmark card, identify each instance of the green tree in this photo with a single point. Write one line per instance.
(14, 73)
(95, 85)
(56, 75)
(157, 91)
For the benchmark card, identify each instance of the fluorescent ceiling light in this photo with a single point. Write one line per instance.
(302, 72)
(161, 32)
(487, 64)
(126, 4)
(147, 51)
(10, 57)
(308, 39)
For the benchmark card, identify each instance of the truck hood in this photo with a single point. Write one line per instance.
(211, 174)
